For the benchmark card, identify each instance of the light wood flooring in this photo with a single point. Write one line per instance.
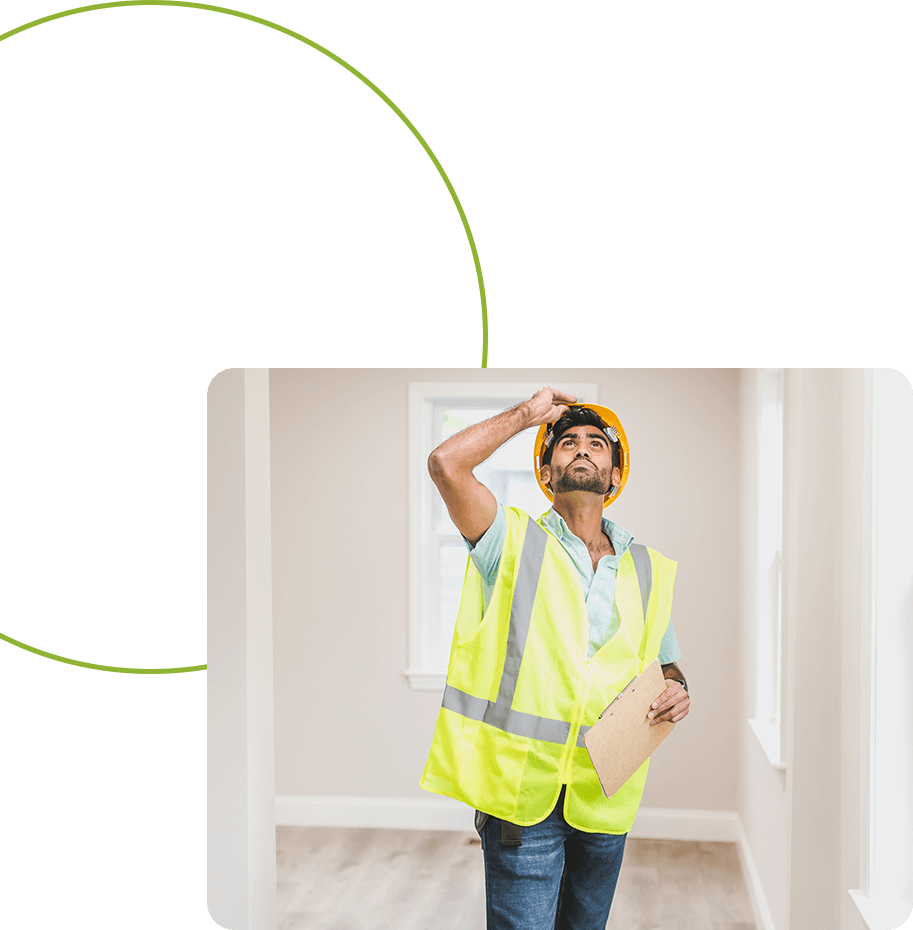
(332, 878)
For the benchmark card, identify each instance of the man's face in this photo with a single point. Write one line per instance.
(581, 461)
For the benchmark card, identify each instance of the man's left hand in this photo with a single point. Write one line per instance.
(671, 706)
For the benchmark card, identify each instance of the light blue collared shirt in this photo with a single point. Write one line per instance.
(598, 586)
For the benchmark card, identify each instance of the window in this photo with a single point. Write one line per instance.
(766, 721)
(437, 552)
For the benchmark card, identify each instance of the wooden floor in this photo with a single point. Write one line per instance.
(332, 878)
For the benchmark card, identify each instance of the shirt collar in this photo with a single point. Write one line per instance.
(621, 538)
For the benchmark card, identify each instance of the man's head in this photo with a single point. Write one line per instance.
(581, 453)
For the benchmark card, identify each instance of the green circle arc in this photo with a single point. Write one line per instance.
(396, 110)
(339, 61)
(101, 668)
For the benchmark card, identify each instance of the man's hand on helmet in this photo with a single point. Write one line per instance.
(547, 405)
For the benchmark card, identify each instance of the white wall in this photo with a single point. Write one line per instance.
(241, 837)
(347, 723)
(813, 569)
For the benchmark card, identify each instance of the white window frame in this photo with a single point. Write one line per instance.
(423, 396)
(885, 896)
(767, 720)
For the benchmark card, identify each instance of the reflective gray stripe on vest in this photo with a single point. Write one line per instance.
(499, 714)
(519, 724)
(644, 568)
(521, 615)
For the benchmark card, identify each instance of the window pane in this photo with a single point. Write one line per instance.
(516, 454)
(523, 491)
(452, 419)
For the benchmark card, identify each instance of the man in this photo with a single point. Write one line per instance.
(555, 618)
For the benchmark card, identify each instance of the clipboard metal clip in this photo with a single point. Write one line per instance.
(617, 696)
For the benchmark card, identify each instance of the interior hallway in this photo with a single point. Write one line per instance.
(791, 647)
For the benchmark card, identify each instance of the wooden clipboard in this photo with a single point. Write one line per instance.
(622, 739)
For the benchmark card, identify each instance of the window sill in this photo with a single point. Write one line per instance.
(768, 735)
(881, 914)
(426, 680)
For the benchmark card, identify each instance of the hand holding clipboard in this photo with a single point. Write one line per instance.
(623, 738)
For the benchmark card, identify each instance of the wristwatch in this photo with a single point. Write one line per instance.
(680, 682)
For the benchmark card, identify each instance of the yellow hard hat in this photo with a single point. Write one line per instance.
(614, 430)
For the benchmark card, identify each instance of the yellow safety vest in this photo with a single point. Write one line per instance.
(521, 691)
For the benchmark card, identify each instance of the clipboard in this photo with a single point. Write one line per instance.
(622, 739)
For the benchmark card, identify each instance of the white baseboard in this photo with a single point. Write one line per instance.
(436, 813)
(666, 823)
(441, 813)
(762, 917)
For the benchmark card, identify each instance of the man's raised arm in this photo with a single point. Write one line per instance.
(471, 505)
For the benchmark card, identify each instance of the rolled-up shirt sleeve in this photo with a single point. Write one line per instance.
(486, 553)
(668, 649)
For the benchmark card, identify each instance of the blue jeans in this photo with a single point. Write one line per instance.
(560, 878)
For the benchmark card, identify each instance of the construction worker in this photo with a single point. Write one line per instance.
(556, 617)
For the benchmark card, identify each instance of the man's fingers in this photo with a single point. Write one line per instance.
(673, 715)
(555, 414)
(671, 706)
(667, 698)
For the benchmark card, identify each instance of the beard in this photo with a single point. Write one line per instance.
(585, 479)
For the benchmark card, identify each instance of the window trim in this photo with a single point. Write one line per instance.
(422, 396)
(770, 729)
